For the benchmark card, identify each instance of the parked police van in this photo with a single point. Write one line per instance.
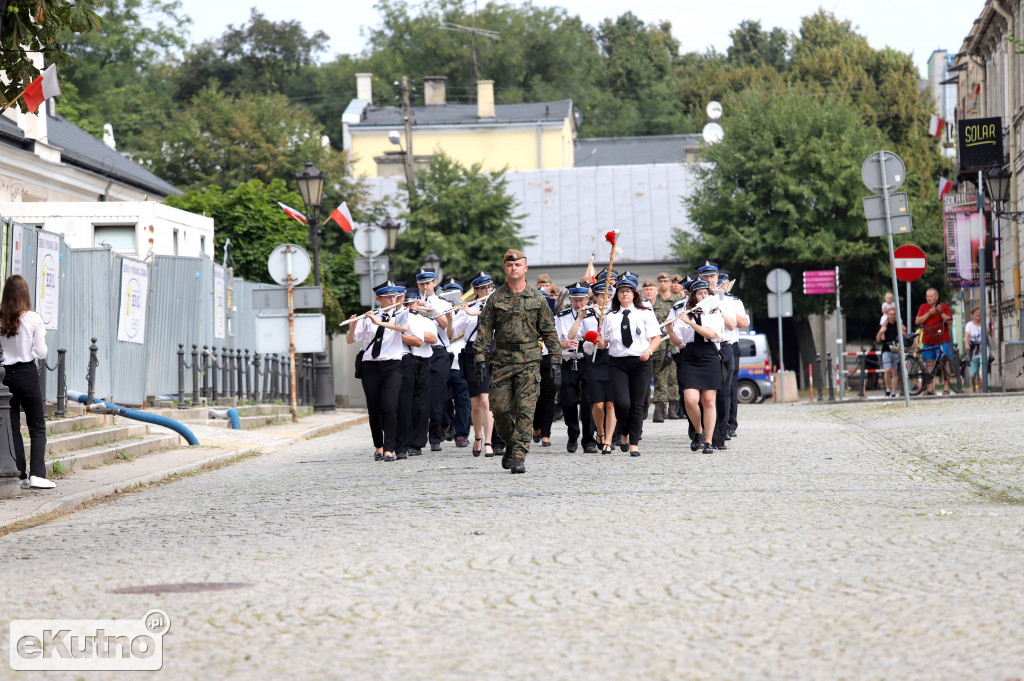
(755, 376)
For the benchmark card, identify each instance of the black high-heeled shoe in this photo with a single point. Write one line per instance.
(488, 454)
(476, 452)
(697, 442)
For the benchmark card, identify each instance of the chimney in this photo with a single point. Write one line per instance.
(364, 86)
(434, 90)
(485, 99)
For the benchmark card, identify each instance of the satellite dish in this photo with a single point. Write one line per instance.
(714, 110)
(713, 133)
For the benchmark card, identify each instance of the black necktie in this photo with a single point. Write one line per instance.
(379, 338)
(627, 335)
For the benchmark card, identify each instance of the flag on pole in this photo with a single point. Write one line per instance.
(342, 217)
(42, 88)
(590, 275)
(292, 213)
(935, 126)
(944, 186)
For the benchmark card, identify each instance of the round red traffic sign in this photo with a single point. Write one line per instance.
(910, 262)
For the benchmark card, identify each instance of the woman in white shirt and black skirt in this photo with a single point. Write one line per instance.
(631, 334)
(23, 340)
(699, 333)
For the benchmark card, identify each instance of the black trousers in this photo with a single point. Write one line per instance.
(576, 407)
(407, 407)
(735, 384)
(545, 410)
(23, 380)
(631, 381)
(382, 384)
(440, 364)
(416, 437)
(723, 400)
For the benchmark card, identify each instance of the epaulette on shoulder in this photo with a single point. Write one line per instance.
(562, 313)
(590, 313)
(678, 305)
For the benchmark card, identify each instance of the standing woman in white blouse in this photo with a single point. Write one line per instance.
(631, 334)
(23, 340)
(699, 334)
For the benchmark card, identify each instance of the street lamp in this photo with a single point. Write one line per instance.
(997, 184)
(390, 228)
(311, 186)
(433, 262)
(395, 137)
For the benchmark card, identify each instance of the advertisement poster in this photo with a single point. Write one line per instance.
(965, 232)
(219, 302)
(131, 314)
(48, 278)
(17, 250)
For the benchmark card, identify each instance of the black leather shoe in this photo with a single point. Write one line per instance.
(572, 446)
(590, 449)
(378, 456)
(536, 439)
(721, 446)
(449, 435)
(506, 460)
(635, 453)
(696, 442)
(727, 437)
(518, 467)
(415, 451)
(708, 448)
(545, 443)
(732, 433)
(623, 447)
(401, 455)
(435, 446)
(499, 448)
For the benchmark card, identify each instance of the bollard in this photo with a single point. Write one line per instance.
(62, 385)
(225, 373)
(821, 375)
(239, 370)
(248, 378)
(863, 360)
(41, 371)
(206, 373)
(195, 375)
(831, 384)
(266, 377)
(90, 375)
(273, 377)
(181, 375)
(256, 377)
(213, 375)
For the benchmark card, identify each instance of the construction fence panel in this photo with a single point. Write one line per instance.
(129, 363)
(87, 312)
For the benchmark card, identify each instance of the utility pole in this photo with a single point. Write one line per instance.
(410, 176)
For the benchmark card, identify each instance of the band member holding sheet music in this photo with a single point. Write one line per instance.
(576, 408)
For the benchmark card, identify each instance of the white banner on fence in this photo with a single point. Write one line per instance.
(131, 315)
(219, 302)
(17, 249)
(48, 278)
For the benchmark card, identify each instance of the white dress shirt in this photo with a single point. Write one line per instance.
(711, 321)
(733, 306)
(391, 342)
(440, 307)
(420, 326)
(643, 325)
(29, 343)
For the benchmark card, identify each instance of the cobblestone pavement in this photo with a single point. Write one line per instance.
(840, 542)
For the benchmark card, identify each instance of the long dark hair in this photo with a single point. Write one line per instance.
(16, 300)
(638, 301)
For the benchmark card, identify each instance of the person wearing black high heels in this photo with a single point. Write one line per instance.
(631, 334)
(697, 329)
(597, 383)
(465, 324)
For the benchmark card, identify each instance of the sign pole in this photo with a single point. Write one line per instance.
(291, 334)
(839, 339)
(909, 330)
(895, 284)
(983, 303)
(782, 360)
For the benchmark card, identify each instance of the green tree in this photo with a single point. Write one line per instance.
(752, 46)
(783, 189)
(35, 26)
(464, 215)
(249, 215)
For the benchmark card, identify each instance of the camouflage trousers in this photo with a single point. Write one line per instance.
(666, 388)
(513, 397)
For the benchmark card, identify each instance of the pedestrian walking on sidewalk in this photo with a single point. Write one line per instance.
(23, 340)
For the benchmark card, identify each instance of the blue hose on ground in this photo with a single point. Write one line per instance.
(155, 419)
(231, 414)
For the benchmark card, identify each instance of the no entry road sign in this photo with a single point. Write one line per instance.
(910, 262)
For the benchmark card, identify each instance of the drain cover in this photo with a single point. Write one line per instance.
(183, 588)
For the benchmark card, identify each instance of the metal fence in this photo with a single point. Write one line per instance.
(181, 307)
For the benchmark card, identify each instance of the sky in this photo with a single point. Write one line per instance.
(912, 26)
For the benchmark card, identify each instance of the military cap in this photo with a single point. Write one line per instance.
(578, 289)
(664, 276)
(412, 295)
(512, 254)
(678, 278)
(698, 285)
(723, 275)
(425, 274)
(599, 287)
(387, 288)
(543, 279)
(708, 268)
(650, 282)
(453, 285)
(482, 279)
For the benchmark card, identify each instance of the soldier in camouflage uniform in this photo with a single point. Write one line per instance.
(666, 389)
(519, 318)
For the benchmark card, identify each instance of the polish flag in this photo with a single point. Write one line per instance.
(342, 217)
(590, 275)
(42, 88)
(292, 213)
(944, 186)
(935, 126)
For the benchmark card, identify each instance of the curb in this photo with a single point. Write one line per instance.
(73, 501)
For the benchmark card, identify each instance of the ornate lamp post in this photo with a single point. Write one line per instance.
(433, 261)
(311, 186)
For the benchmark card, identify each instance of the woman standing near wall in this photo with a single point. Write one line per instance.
(23, 340)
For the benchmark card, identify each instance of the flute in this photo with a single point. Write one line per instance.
(379, 309)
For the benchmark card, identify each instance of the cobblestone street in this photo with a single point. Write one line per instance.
(854, 541)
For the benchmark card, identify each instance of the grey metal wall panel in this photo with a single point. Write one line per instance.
(28, 259)
(128, 367)
(175, 314)
(86, 312)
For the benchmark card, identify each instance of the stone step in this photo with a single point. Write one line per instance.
(68, 442)
(69, 424)
(111, 452)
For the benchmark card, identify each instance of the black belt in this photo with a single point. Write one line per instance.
(515, 347)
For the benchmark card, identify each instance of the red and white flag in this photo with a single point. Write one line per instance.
(342, 217)
(935, 126)
(292, 213)
(42, 88)
(590, 275)
(944, 186)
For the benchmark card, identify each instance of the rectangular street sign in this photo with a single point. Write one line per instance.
(874, 206)
(786, 304)
(820, 275)
(272, 333)
(811, 290)
(979, 143)
(276, 298)
(900, 225)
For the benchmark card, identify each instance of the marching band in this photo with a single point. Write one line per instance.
(623, 346)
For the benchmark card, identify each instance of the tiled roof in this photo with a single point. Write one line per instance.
(10, 133)
(466, 114)
(624, 151)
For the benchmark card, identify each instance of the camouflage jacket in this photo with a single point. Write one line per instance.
(662, 307)
(517, 321)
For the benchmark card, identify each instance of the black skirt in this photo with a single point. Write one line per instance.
(597, 384)
(700, 367)
(468, 369)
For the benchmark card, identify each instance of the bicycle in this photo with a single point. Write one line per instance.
(918, 374)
